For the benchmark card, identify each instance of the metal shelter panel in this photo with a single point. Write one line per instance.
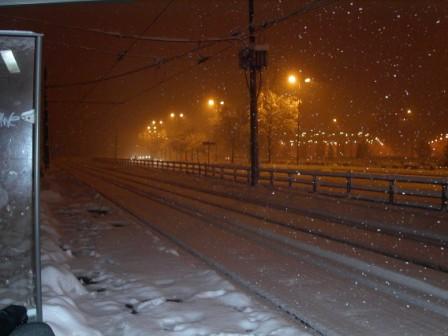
(20, 54)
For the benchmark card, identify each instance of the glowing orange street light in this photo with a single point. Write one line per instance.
(181, 115)
(172, 115)
(221, 102)
(292, 79)
(211, 102)
(335, 120)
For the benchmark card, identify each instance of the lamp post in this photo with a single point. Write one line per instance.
(217, 106)
(294, 81)
(214, 104)
(173, 129)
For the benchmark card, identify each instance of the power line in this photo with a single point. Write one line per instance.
(133, 71)
(93, 102)
(232, 36)
(97, 50)
(176, 74)
(125, 52)
(265, 25)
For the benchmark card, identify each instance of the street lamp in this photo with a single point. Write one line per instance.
(217, 106)
(212, 103)
(293, 80)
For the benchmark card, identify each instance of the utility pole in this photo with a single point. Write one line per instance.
(254, 160)
(252, 59)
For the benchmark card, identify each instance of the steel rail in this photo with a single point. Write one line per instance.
(314, 326)
(373, 227)
(101, 173)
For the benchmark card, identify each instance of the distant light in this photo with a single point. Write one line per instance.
(161, 122)
(211, 102)
(335, 120)
(153, 122)
(292, 79)
(172, 115)
(10, 61)
(409, 111)
(221, 102)
(149, 127)
(307, 80)
(181, 115)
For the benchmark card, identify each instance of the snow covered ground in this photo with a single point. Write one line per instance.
(335, 288)
(107, 274)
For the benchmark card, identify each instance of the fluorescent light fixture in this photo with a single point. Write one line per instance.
(10, 61)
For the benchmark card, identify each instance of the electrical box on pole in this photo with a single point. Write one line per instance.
(257, 58)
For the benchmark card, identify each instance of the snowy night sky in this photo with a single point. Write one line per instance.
(370, 62)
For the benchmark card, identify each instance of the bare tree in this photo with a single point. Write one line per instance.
(231, 130)
(278, 120)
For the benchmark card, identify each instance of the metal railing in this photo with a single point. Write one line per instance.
(405, 190)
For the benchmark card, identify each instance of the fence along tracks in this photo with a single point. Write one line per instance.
(403, 190)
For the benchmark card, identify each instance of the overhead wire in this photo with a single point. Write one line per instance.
(125, 52)
(92, 102)
(157, 63)
(235, 35)
(177, 74)
(263, 26)
(115, 53)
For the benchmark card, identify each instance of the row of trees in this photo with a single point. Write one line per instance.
(228, 131)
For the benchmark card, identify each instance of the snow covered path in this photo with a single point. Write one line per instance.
(335, 289)
(132, 282)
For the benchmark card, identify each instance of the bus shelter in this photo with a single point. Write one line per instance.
(20, 85)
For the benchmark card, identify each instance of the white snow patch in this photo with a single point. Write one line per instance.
(65, 318)
(61, 282)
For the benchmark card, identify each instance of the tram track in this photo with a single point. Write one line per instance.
(160, 195)
(401, 232)
(423, 245)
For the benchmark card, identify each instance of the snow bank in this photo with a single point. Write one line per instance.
(65, 318)
(134, 283)
(59, 281)
(59, 284)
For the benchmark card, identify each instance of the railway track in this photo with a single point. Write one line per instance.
(401, 232)
(408, 247)
(281, 236)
